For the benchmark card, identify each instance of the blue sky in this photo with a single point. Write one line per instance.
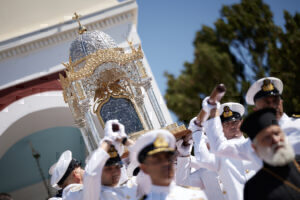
(167, 29)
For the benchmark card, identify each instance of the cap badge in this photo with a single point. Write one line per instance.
(267, 85)
(112, 152)
(227, 112)
(160, 142)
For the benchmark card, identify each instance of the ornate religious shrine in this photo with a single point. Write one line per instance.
(108, 82)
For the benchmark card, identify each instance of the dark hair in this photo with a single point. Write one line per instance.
(73, 165)
(5, 196)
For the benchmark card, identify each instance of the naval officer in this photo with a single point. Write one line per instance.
(190, 173)
(233, 172)
(155, 152)
(103, 170)
(266, 93)
(66, 174)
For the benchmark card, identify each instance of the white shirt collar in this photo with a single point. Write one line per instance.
(161, 189)
(283, 119)
(72, 188)
(239, 139)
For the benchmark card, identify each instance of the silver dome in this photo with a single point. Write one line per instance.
(88, 43)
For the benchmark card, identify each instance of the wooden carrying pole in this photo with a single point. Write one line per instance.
(215, 96)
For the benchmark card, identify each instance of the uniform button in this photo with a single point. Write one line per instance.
(247, 171)
(224, 192)
(127, 197)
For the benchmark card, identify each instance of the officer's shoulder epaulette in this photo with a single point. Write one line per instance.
(124, 183)
(296, 116)
(76, 188)
(190, 187)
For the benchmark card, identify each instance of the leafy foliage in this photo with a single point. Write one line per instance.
(243, 45)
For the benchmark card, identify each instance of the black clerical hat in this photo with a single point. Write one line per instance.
(257, 121)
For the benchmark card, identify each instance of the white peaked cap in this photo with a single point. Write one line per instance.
(60, 167)
(256, 87)
(236, 107)
(167, 141)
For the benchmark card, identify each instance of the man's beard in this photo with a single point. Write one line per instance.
(281, 157)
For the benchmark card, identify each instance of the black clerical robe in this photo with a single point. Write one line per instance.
(266, 186)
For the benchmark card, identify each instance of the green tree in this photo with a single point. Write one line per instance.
(236, 51)
(184, 92)
(284, 59)
(248, 29)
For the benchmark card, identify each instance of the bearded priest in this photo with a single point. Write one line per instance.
(280, 176)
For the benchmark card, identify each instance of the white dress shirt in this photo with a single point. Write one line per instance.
(174, 192)
(291, 127)
(188, 173)
(73, 192)
(233, 172)
(239, 148)
(92, 188)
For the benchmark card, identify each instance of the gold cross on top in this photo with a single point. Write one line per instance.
(81, 29)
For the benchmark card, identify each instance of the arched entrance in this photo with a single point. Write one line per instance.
(44, 121)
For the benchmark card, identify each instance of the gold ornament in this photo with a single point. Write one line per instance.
(81, 28)
(112, 152)
(267, 85)
(79, 91)
(142, 69)
(95, 60)
(227, 112)
(64, 84)
(160, 142)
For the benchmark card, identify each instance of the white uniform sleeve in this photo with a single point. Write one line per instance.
(183, 170)
(93, 173)
(204, 158)
(291, 127)
(109, 195)
(184, 177)
(73, 192)
(228, 148)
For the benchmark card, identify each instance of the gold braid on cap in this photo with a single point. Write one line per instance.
(227, 112)
(160, 142)
(267, 85)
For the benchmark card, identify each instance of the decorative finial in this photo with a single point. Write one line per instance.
(81, 29)
(130, 43)
(35, 154)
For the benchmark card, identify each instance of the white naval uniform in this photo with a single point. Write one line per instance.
(234, 173)
(239, 148)
(206, 179)
(55, 198)
(174, 192)
(126, 191)
(291, 127)
(243, 149)
(73, 192)
(92, 188)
